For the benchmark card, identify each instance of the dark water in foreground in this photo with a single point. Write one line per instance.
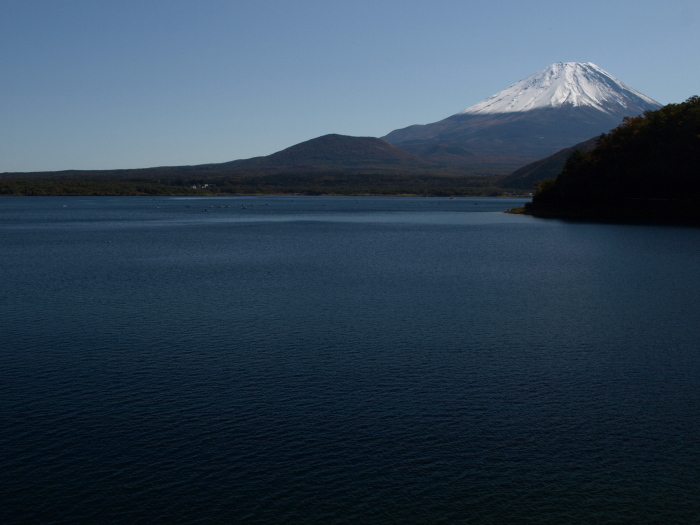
(342, 360)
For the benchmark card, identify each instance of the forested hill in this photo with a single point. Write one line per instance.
(648, 168)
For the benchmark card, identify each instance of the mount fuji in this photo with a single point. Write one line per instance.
(555, 108)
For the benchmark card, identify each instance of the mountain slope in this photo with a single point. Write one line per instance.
(333, 152)
(546, 168)
(557, 107)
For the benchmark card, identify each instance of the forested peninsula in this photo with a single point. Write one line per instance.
(645, 170)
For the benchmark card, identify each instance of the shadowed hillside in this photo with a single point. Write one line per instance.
(648, 168)
(549, 167)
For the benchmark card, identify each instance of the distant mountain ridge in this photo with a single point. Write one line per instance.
(555, 108)
(331, 164)
(330, 153)
(334, 151)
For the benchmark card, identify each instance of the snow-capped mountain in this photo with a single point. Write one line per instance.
(573, 83)
(557, 107)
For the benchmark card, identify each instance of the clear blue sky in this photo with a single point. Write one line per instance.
(99, 84)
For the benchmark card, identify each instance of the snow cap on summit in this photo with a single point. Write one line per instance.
(563, 83)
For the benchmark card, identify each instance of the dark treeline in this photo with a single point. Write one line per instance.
(275, 184)
(648, 168)
(90, 187)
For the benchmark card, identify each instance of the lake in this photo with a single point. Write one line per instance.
(344, 360)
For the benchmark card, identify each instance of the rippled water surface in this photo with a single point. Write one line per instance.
(344, 360)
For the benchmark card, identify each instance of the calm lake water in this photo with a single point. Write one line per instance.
(344, 360)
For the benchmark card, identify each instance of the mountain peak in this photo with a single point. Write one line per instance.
(565, 83)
